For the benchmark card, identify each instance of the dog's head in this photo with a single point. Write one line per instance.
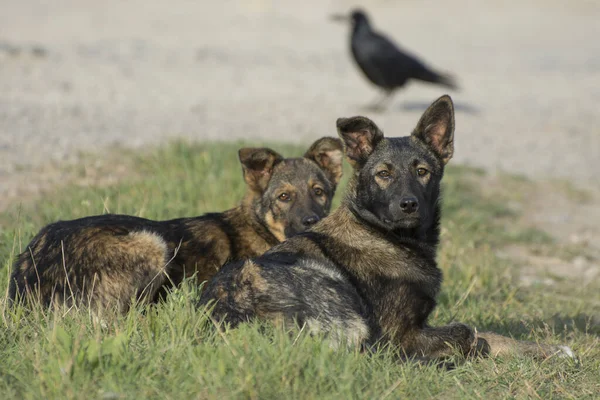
(396, 185)
(289, 195)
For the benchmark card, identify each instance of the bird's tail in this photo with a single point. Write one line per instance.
(441, 79)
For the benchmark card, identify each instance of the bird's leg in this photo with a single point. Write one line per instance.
(381, 102)
(378, 99)
(376, 104)
(385, 100)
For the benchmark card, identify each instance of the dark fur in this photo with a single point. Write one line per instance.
(367, 273)
(108, 260)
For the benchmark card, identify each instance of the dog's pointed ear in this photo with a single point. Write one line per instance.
(360, 136)
(327, 152)
(258, 164)
(436, 128)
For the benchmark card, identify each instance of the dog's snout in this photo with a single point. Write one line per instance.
(310, 220)
(409, 205)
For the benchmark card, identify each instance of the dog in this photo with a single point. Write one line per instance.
(108, 260)
(367, 275)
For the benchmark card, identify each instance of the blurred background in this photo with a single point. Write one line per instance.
(81, 75)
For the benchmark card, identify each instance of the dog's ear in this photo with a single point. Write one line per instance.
(327, 152)
(436, 128)
(360, 136)
(258, 164)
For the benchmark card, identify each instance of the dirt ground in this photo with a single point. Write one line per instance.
(82, 75)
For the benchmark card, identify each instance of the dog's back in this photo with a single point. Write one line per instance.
(116, 256)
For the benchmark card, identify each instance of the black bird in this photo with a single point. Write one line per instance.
(383, 63)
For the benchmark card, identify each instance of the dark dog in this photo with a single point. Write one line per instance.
(108, 260)
(367, 273)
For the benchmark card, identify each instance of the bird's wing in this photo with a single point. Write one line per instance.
(384, 62)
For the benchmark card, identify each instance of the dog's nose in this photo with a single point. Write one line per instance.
(409, 205)
(311, 220)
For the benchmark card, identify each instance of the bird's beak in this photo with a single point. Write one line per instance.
(339, 17)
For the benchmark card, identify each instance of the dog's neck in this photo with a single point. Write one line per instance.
(368, 253)
(429, 234)
(246, 214)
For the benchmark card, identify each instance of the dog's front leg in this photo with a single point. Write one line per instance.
(443, 341)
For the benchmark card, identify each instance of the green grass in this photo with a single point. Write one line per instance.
(173, 351)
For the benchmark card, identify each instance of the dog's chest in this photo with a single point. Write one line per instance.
(398, 304)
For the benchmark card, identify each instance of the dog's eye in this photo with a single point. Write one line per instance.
(318, 191)
(383, 174)
(284, 197)
(422, 171)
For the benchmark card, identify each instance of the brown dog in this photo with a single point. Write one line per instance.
(108, 260)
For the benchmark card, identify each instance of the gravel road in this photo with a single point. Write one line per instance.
(84, 75)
